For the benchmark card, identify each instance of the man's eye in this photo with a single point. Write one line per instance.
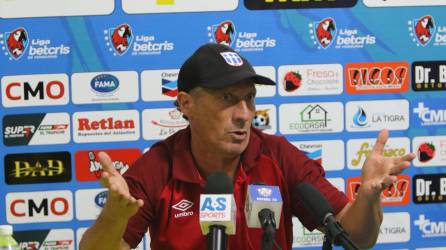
(227, 97)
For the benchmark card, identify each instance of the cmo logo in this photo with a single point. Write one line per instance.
(57, 206)
(16, 91)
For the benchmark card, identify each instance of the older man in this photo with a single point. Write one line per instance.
(217, 96)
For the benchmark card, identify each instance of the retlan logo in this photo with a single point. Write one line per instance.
(396, 194)
(109, 123)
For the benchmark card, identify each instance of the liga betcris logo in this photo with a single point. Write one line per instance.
(120, 38)
(224, 32)
(423, 29)
(15, 42)
(325, 32)
(377, 77)
(396, 194)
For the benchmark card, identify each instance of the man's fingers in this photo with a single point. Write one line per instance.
(106, 163)
(381, 141)
(105, 179)
(408, 157)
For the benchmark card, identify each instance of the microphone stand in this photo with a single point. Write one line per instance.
(336, 235)
(217, 238)
(268, 223)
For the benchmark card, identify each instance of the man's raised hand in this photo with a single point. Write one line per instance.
(119, 201)
(378, 171)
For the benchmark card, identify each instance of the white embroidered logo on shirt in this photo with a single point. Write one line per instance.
(183, 205)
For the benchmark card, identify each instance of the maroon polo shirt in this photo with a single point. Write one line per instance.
(168, 181)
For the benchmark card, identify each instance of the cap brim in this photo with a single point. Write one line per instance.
(235, 78)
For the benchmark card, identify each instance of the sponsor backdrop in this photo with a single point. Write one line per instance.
(78, 77)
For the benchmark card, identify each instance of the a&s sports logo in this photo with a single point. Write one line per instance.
(326, 33)
(14, 43)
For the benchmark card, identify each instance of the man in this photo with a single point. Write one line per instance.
(217, 96)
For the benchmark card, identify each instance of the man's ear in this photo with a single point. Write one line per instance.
(185, 102)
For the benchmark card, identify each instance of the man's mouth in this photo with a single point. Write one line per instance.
(239, 134)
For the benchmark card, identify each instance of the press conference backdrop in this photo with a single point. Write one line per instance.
(82, 76)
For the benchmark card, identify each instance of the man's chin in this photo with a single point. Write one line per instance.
(235, 149)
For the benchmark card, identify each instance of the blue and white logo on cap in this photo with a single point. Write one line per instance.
(232, 58)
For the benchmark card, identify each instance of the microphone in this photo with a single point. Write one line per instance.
(263, 208)
(316, 203)
(217, 210)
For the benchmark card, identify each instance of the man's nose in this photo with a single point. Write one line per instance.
(243, 111)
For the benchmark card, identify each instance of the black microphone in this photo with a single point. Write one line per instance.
(217, 210)
(316, 203)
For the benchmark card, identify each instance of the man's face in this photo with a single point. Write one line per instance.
(221, 118)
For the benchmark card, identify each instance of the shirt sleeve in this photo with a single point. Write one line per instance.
(146, 180)
(298, 168)
(138, 224)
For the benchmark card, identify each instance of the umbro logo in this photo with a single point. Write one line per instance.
(183, 205)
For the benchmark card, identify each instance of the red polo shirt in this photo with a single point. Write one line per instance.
(168, 181)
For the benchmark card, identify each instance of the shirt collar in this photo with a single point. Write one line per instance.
(183, 164)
